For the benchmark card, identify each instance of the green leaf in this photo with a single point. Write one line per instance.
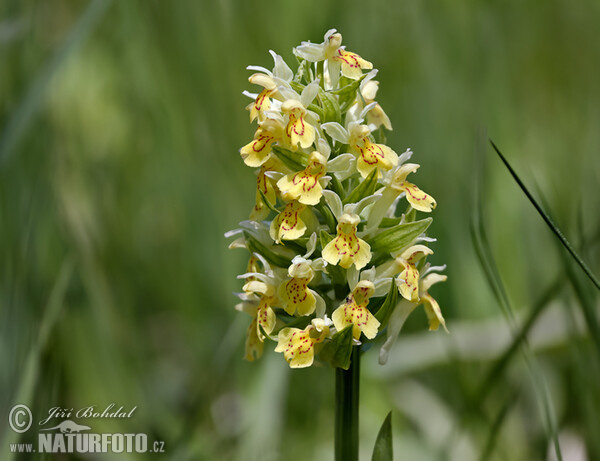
(295, 161)
(384, 312)
(398, 237)
(384, 450)
(337, 352)
(254, 246)
(389, 222)
(327, 215)
(364, 189)
(331, 108)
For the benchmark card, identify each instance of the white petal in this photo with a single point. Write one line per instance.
(382, 286)
(341, 163)
(365, 202)
(368, 274)
(232, 232)
(281, 69)
(260, 69)
(319, 264)
(250, 95)
(309, 93)
(366, 110)
(324, 148)
(336, 131)
(397, 319)
(333, 72)
(370, 76)
(310, 51)
(320, 307)
(334, 202)
(311, 245)
(352, 275)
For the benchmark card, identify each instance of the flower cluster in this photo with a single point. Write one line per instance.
(331, 264)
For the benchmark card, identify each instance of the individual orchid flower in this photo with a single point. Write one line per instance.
(294, 292)
(369, 154)
(288, 225)
(257, 152)
(298, 345)
(408, 279)
(375, 116)
(395, 187)
(405, 308)
(354, 312)
(346, 248)
(266, 188)
(300, 129)
(337, 58)
(270, 81)
(304, 185)
(418, 199)
(265, 316)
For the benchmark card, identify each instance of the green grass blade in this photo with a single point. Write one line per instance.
(547, 219)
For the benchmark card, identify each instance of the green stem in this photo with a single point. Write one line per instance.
(346, 409)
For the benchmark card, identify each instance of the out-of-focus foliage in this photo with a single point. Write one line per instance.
(120, 124)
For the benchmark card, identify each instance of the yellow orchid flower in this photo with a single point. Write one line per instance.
(408, 279)
(354, 312)
(294, 293)
(265, 316)
(351, 63)
(374, 156)
(262, 102)
(298, 130)
(252, 266)
(376, 116)
(298, 345)
(288, 225)
(257, 152)
(418, 199)
(370, 155)
(265, 185)
(337, 57)
(346, 248)
(254, 346)
(304, 186)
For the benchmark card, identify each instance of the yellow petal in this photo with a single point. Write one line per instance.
(288, 225)
(256, 152)
(260, 104)
(304, 185)
(346, 248)
(359, 316)
(354, 312)
(265, 319)
(408, 283)
(298, 297)
(434, 313)
(300, 132)
(418, 199)
(352, 64)
(375, 156)
(297, 346)
(254, 346)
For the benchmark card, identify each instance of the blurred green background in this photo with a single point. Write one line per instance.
(120, 125)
